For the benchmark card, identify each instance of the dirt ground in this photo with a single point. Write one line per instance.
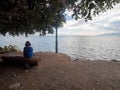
(58, 72)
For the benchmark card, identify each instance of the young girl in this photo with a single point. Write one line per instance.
(28, 50)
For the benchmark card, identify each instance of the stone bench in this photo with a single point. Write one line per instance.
(20, 60)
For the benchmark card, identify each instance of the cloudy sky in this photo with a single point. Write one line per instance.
(108, 22)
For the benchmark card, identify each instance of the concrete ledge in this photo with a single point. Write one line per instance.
(20, 60)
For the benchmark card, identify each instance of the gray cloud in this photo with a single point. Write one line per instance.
(108, 22)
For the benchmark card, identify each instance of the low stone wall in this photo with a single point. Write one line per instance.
(20, 60)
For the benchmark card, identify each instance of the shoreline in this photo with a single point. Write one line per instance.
(58, 72)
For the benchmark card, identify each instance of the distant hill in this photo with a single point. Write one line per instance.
(110, 34)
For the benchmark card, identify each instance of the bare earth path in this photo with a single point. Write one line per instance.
(57, 72)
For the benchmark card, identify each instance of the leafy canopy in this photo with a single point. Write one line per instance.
(88, 8)
(30, 16)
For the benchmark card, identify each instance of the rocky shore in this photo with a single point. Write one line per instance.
(58, 72)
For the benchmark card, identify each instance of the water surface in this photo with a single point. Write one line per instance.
(93, 48)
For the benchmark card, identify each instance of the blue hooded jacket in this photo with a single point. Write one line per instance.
(28, 52)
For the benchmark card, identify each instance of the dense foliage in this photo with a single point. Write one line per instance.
(88, 8)
(30, 16)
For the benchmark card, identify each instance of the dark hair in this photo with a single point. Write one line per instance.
(27, 44)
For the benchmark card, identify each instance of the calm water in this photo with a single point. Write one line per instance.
(99, 47)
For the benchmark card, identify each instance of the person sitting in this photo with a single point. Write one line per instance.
(28, 50)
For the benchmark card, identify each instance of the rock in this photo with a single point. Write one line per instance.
(114, 60)
(27, 65)
(14, 75)
(15, 85)
(26, 70)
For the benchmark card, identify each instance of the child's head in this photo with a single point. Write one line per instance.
(27, 44)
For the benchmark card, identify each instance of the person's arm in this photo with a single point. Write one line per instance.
(24, 52)
(32, 51)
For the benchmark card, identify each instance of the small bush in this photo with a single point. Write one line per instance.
(10, 48)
